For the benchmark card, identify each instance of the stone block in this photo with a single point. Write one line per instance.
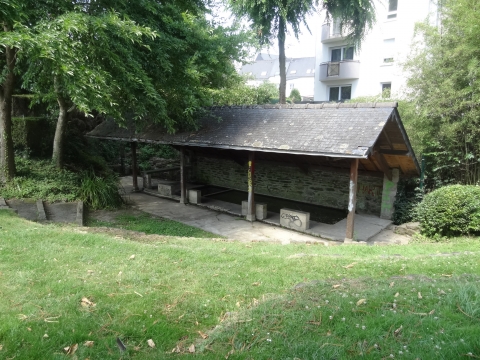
(194, 196)
(294, 219)
(168, 189)
(260, 210)
(147, 181)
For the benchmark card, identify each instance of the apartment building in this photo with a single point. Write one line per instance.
(343, 73)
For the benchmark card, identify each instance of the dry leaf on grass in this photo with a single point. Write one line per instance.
(431, 312)
(420, 295)
(398, 331)
(392, 283)
(45, 336)
(361, 301)
(132, 257)
(336, 286)
(203, 335)
(1, 347)
(88, 343)
(349, 266)
(70, 350)
(229, 353)
(256, 283)
(396, 295)
(150, 343)
(87, 303)
(191, 349)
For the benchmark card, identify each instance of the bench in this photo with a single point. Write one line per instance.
(294, 219)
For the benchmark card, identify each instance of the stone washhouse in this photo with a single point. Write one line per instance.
(346, 156)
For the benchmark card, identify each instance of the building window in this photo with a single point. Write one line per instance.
(386, 90)
(264, 73)
(292, 86)
(341, 54)
(388, 50)
(309, 71)
(392, 9)
(340, 93)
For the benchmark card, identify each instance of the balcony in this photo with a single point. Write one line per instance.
(331, 33)
(340, 70)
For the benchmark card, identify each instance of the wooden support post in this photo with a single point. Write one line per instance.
(352, 200)
(251, 199)
(183, 184)
(134, 166)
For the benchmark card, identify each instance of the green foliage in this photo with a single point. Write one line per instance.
(295, 96)
(148, 151)
(239, 93)
(450, 210)
(100, 192)
(408, 196)
(40, 179)
(445, 93)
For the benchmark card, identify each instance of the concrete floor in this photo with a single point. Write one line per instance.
(224, 219)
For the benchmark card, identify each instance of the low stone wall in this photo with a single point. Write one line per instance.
(320, 187)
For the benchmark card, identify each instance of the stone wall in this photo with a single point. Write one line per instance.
(327, 188)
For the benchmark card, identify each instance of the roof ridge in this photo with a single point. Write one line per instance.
(325, 105)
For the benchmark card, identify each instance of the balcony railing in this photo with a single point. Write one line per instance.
(340, 70)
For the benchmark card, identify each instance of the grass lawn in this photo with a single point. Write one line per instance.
(215, 299)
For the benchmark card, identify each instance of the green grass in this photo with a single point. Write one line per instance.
(255, 300)
(149, 224)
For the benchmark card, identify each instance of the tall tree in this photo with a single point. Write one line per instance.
(271, 18)
(444, 88)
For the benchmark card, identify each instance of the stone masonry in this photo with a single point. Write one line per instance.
(285, 180)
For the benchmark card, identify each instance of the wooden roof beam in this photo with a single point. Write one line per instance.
(394, 152)
(382, 164)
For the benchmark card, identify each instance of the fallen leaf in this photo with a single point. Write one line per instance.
(132, 257)
(88, 343)
(349, 266)
(45, 336)
(256, 283)
(420, 295)
(398, 331)
(361, 301)
(150, 343)
(336, 286)
(203, 335)
(87, 303)
(446, 275)
(70, 350)
(1, 347)
(191, 349)
(229, 353)
(90, 272)
(431, 312)
(329, 333)
(392, 283)
(396, 295)
(441, 292)
(29, 329)
(136, 348)
(238, 304)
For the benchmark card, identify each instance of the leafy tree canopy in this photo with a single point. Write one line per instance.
(444, 88)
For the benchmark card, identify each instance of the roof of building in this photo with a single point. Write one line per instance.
(301, 67)
(266, 56)
(372, 132)
(261, 70)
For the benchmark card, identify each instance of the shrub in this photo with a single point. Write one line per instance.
(100, 192)
(408, 196)
(295, 96)
(450, 211)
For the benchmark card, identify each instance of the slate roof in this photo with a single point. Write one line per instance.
(299, 68)
(332, 130)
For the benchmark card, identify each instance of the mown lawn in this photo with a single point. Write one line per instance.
(214, 299)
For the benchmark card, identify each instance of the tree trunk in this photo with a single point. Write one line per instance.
(58, 141)
(281, 51)
(7, 157)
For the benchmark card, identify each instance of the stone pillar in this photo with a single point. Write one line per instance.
(183, 184)
(251, 199)
(134, 166)
(352, 200)
(388, 194)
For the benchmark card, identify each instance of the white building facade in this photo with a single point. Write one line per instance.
(344, 74)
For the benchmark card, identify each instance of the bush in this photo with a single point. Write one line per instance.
(450, 211)
(295, 96)
(100, 192)
(408, 196)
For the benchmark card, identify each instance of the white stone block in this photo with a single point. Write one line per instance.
(167, 189)
(194, 196)
(294, 219)
(260, 210)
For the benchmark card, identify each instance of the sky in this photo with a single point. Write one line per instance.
(304, 46)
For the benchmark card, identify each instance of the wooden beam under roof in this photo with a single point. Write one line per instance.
(382, 164)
